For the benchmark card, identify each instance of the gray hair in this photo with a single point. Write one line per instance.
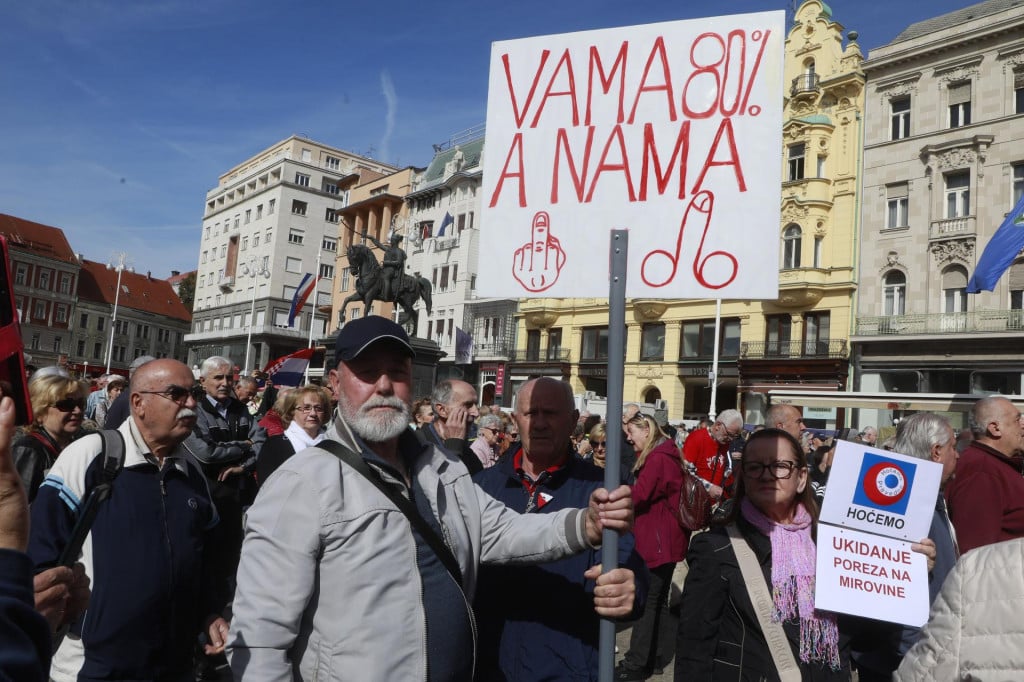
(983, 412)
(442, 394)
(730, 418)
(917, 433)
(213, 363)
(247, 381)
(489, 421)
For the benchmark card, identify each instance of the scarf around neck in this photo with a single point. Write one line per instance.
(793, 566)
(299, 439)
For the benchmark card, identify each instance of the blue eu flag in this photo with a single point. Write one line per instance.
(1000, 252)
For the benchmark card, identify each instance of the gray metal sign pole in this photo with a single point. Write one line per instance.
(613, 415)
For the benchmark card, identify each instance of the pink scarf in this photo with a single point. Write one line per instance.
(793, 564)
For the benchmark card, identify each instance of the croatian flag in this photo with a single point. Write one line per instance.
(306, 287)
(1000, 252)
(448, 220)
(291, 369)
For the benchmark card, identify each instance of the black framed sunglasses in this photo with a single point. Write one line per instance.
(598, 444)
(778, 470)
(175, 393)
(69, 404)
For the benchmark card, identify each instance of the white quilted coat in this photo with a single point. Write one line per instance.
(976, 627)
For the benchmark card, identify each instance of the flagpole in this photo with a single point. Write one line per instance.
(312, 313)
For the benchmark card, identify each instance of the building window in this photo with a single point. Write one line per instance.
(554, 341)
(899, 113)
(99, 324)
(44, 279)
(778, 334)
(344, 279)
(533, 345)
(259, 211)
(818, 241)
(298, 207)
(97, 349)
(56, 344)
(80, 348)
(954, 290)
(65, 283)
(255, 240)
(897, 205)
(296, 236)
(791, 241)
(1016, 284)
(61, 314)
(595, 344)
(332, 162)
(652, 342)
(34, 343)
(21, 274)
(959, 104)
(958, 194)
(699, 339)
(327, 271)
(248, 215)
(1018, 182)
(796, 161)
(293, 264)
(331, 188)
(894, 292)
(302, 180)
(83, 321)
(270, 206)
(329, 244)
(331, 215)
(40, 311)
(816, 333)
(461, 222)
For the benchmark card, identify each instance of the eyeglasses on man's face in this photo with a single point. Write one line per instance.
(733, 435)
(778, 470)
(174, 393)
(306, 409)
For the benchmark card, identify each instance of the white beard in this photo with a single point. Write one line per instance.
(378, 427)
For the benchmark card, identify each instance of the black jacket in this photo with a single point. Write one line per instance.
(719, 635)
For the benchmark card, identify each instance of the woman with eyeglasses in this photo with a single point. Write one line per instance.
(660, 540)
(304, 413)
(775, 516)
(599, 451)
(58, 408)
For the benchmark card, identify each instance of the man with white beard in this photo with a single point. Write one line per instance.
(361, 554)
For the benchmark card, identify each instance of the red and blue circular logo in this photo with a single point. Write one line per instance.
(884, 483)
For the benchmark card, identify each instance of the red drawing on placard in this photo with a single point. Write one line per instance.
(537, 264)
(659, 267)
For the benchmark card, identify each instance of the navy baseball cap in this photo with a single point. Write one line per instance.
(358, 335)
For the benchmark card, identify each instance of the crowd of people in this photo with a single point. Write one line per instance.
(348, 531)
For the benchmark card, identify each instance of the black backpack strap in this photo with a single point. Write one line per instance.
(112, 450)
(443, 552)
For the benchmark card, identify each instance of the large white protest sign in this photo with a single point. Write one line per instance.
(870, 575)
(672, 131)
(882, 492)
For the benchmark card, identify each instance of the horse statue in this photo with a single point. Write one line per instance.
(370, 287)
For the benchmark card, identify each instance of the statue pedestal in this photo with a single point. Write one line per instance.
(424, 366)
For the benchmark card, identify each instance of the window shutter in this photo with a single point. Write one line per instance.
(1017, 277)
(960, 92)
(954, 278)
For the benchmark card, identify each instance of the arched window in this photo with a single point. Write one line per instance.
(791, 240)
(895, 291)
(954, 290)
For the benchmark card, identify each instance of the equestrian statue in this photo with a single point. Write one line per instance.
(386, 282)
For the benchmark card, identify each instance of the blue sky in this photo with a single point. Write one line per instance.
(119, 115)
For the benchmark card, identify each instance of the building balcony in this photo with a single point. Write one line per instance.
(260, 330)
(979, 321)
(226, 281)
(491, 349)
(805, 84)
(831, 348)
(549, 355)
(948, 228)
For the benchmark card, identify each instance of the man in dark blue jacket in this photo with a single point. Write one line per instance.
(541, 622)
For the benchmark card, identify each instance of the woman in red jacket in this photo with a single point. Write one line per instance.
(660, 540)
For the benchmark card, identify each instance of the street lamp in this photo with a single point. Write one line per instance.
(121, 259)
(251, 269)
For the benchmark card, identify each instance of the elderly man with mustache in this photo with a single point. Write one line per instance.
(361, 554)
(153, 585)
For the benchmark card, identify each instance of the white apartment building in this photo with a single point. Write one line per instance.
(268, 223)
(943, 165)
(442, 244)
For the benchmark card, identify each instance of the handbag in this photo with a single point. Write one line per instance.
(774, 635)
(694, 510)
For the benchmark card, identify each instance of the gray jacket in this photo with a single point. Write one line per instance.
(328, 586)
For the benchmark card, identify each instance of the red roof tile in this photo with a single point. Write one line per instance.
(139, 292)
(37, 238)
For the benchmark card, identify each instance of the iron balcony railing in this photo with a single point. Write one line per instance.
(807, 82)
(942, 323)
(548, 355)
(830, 348)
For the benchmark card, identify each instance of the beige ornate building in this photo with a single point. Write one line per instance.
(943, 164)
(796, 340)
